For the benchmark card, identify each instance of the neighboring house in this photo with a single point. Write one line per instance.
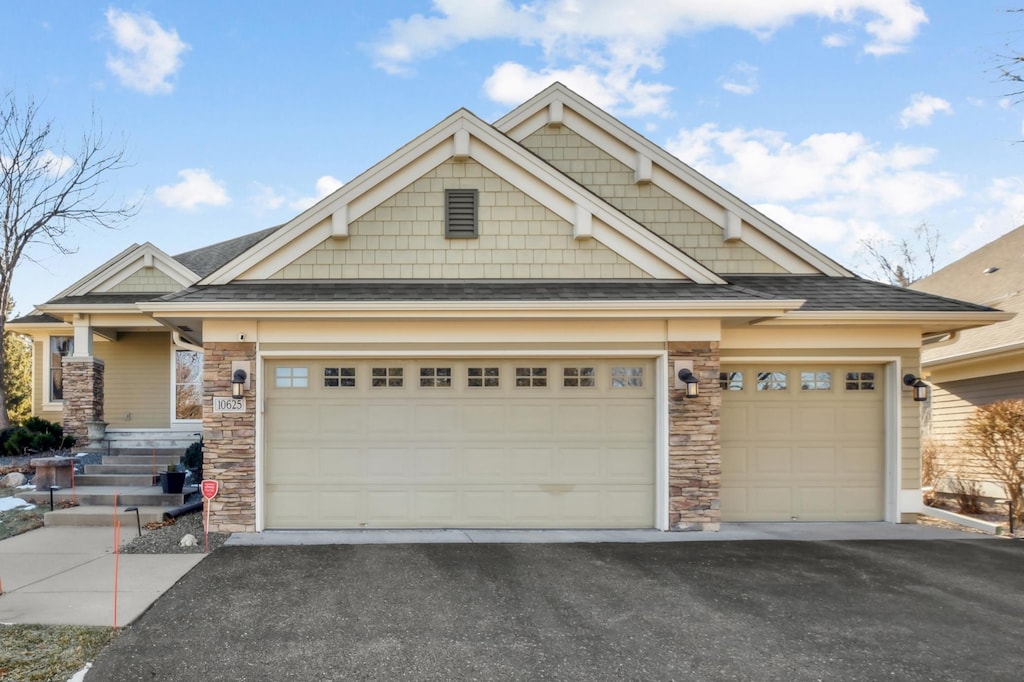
(486, 329)
(976, 367)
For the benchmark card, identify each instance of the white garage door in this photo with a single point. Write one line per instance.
(531, 443)
(802, 443)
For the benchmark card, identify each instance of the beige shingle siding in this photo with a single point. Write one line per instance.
(953, 403)
(648, 204)
(146, 280)
(403, 238)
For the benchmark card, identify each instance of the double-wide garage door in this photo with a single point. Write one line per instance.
(524, 443)
(802, 442)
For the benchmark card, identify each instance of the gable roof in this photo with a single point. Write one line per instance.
(557, 102)
(124, 265)
(463, 134)
(992, 275)
(207, 259)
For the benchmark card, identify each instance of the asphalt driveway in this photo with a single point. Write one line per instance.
(920, 610)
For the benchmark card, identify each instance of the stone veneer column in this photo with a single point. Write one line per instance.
(229, 440)
(694, 449)
(83, 395)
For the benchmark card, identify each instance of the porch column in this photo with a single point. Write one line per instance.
(694, 449)
(229, 445)
(83, 395)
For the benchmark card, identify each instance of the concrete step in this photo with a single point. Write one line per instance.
(118, 450)
(161, 460)
(104, 496)
(104, 516)
(101, 469)
(119, 480)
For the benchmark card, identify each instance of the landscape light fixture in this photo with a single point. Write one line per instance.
(920, 388)
(238, 378)
(688, 378)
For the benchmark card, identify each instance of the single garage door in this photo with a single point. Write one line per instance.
(802, 443)
(530, 443)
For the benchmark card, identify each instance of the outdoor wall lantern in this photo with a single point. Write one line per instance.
(238, 378)
(687, 377)
(920, 388)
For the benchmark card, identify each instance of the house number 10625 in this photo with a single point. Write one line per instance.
(228, 404)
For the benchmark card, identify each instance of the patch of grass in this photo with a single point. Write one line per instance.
(40, 653)
(20, 520)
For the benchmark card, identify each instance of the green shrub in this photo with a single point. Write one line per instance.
(193, 459)
(36, 435)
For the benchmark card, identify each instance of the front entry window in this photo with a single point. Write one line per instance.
(188, 384)
(60, 347)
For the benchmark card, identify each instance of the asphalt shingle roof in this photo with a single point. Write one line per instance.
(851, 294)
(208, 259)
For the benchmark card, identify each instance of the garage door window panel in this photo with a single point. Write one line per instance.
(531, 377)
(339, 377)
(387, 377)
(483, 377)
(772, 381)
(627, 377)
(291, 377)
(815, 381)
(435, 377)
(579, 377)
(860, 381)
(730, 381)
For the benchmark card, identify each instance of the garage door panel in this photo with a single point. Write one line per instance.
(772, 460)
(339, 465)
(486, 419)
(531, 420)
(813, 451)
(292, 463)
(432, 418)
(814, 461)
(773, 420)
(543, 455)
(816, 420)
(388, 418)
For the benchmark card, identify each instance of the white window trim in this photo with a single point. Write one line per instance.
(175, 347)
(47, 403)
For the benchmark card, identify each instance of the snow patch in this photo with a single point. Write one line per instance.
(8, 503)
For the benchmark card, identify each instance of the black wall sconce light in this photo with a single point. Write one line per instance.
(686, 379)
(920, 388)
(238, 378)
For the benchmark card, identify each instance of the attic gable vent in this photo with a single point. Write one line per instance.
(460, 213)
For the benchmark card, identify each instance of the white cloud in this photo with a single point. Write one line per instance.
(196, 189)
(831, 187)
(55, 165)
(149, 54)
(266, 199)
(512, 84)
(325, 184)
(835, 40)
(607, 42)
(922, 108)
(1005, 197)
(742, 81)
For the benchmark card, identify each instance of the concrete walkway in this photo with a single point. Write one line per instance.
(65, 576)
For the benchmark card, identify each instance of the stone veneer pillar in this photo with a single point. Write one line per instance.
(82, 380)
(229, 440)
(694, 448)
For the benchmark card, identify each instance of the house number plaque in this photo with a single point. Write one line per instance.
(228, 404)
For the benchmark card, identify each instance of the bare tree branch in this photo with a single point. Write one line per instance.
(904, 261)
(48, 190)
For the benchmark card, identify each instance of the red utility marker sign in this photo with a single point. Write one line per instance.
(209, 488)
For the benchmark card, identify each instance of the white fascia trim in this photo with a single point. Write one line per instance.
(482, 309)
(973, 355)
(502, 156)
(953, 321)
(661, 455)
(127, 263)
(521, 122)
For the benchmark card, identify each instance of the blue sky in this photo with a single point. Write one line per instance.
(860, 121)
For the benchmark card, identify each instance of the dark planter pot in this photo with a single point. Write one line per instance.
(172, 481)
